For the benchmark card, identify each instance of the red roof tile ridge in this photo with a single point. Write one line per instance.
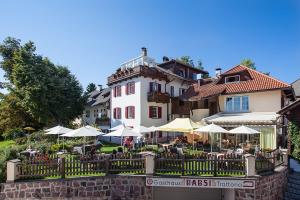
(267, 76)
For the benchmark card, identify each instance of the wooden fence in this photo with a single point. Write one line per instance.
(266, 163)
(165, 164)
(42, 166)
(203, 164)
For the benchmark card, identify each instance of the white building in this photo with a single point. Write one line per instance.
(144, 93)
(97, 110)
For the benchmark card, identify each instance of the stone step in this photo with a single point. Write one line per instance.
(291, 195)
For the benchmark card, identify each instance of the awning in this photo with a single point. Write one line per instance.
(236, 119)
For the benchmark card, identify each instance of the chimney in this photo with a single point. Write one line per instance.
(199, 79)
(144, 51)
(165, 59)
(218, 72)
(100, 87)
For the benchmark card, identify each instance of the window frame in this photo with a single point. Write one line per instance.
(118, 91)
(130, 88)
(228, 77)
(130, 110)
(241, 100)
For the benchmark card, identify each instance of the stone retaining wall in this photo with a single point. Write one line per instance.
(125, 188)
(267, 187)
(104, 188)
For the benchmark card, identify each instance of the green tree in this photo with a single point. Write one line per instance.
(186, 60)
(45, 92)
(90, 88)
(248, 63)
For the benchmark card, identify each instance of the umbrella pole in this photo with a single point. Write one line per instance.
(210, 142)
(220, 141)
(193, 143)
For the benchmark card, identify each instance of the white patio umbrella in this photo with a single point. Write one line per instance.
(83, 132)
(141, 129)
(124, 132)
(243, 130)
(117, 127)
(57, 130)
(91, 127)
(212, 128)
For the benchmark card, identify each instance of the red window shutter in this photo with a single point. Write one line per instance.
(133, 88)
(120, 91)
(150, 114)
(126, 89)
(115, 114)
(159, 112)
(119, 117)
(133, 112)
(114, 91)
(126, 112)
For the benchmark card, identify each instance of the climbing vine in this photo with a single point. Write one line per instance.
(294, 132)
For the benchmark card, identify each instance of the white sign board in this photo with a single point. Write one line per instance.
(201, 183)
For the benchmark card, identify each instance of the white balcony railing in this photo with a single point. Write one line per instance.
(141, 60)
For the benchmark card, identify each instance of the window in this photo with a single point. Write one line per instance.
(160, 134)
(181, 91)
(237, 104)
(154, 87)
(232, 79)
(87, 113)
(130, 112)
(117, 91)
(181, 73)
(117, 113)
(172, 91)
(155, 112)
(130, 88)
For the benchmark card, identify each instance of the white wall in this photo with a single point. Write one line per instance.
(127, 100)
(268, 101)
(198, 114)
(140, 101)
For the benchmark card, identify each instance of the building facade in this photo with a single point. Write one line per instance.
(242, 96)
(97, 110)
(143, 92)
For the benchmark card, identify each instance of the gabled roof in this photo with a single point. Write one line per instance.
(182, 63)
(97, 97)
(258, 82)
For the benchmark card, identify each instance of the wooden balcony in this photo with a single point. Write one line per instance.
(158, 97)
(180, 107)
(128, 73)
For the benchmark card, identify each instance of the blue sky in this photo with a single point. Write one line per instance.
(93, 37)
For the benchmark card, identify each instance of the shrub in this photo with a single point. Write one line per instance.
(13, 133)
(21, 140)
(8, 154)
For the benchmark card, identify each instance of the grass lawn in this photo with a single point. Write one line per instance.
(6, 144)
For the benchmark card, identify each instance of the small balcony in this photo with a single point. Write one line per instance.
(158, 97)
(180, 107)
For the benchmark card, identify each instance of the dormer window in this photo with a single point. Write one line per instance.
(232, 79)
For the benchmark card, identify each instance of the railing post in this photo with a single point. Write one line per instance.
(12, 170)
(285, 158)
(250, 165)
(182, 166)
(215, 165)
(107, 165)
(62, 167)
(150, 163)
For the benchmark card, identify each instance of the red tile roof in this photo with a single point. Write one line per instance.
(258, 82)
